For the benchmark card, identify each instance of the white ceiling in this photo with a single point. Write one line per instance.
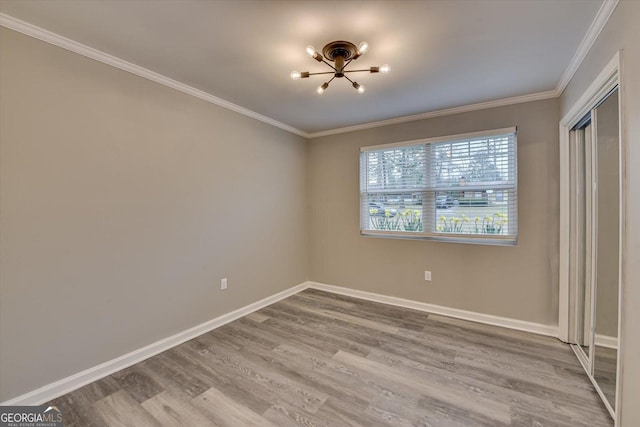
(443, 54)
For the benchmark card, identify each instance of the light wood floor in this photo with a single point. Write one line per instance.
(319, 359)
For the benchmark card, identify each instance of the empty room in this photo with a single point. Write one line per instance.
(319, 213)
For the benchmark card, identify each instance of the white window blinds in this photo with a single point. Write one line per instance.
(462, 188)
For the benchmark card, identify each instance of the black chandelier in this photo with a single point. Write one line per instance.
(341, 53)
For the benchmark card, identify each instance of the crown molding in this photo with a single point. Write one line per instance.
(438, 113)
(600, 20)
(84, 50)
(598, 23)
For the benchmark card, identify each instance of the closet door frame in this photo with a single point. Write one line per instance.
(581, 233)
(606, 81)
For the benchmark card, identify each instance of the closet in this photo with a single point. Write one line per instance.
(595, 183)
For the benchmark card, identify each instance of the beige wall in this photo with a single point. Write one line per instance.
(621, 32)
(519, 282)
(123, 203)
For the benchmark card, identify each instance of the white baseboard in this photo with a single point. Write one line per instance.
(606, 341)
(487, 319)
(73, 382)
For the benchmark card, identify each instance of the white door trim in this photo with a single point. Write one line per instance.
(608, 78)
(600, 86)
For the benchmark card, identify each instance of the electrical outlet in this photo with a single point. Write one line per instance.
(223, 284)
(427, 275)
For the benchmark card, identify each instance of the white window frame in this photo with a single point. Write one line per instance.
(485, 239)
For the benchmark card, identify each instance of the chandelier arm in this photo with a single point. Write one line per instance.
(356, 71)
(347, 79)
(334, 68)
(325, 72)
(331, 79)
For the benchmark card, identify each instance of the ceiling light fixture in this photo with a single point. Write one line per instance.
(341, 54)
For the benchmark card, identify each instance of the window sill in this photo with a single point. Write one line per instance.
(439, 237)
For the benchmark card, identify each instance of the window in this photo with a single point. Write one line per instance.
(457, 188)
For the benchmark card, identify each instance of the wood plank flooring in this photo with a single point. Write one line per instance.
(320, 359)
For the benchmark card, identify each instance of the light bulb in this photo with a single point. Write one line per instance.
(295, 75)
(358, 87)
(322, 88)
(311, 51)
(363, 47)
(361, 89)
(385, 68)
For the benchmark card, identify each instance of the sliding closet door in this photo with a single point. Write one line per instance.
(595, 241)
(581, 245)
(607, 244)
